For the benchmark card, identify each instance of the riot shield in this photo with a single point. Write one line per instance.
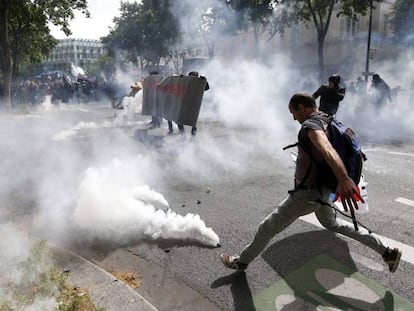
(179, 98)
(150, 94)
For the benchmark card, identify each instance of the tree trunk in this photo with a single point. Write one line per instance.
(6, 57)
(320, 57)
(257, 51)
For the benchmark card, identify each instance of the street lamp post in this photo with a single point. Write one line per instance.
(366, 73)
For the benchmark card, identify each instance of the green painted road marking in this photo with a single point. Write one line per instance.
(325, 284)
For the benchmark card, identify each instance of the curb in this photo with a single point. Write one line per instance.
(105, 290)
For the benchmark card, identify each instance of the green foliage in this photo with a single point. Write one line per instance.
(144, 31)
(25, 35)
(103, 66)
(37, 279)
(251, 12)
(27, 21)
(125, 36)
(30, 42)
(40, 279)
(60, 12)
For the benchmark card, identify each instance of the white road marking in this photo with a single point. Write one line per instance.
(401, 153)
(405, 201)
(407, 250)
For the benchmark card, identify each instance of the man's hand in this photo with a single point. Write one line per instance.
(349, 193)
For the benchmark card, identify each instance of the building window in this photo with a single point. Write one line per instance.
(349, 28)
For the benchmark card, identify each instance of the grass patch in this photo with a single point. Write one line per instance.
(37, 284)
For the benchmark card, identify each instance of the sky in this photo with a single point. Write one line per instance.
(97, 26)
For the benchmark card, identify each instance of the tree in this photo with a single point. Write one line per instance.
(402, 21)
(145, 32)
(253, 14)
(201, 24)
(30, 43)
(213, 20)
(319, 13)
(24, 34)
(125, 35)
(102, 67)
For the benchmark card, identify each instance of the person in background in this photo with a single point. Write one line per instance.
(155, 120)
(171, 130)
(380, 91)
(330, 95)
(311, 191)
(135, 88)
(361, 86)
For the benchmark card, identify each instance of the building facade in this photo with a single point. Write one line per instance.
(345, 45)
(74, 53)
(344, 48)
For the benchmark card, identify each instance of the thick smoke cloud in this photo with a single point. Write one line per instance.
(254, 91)
(110, 207)
(80, 172)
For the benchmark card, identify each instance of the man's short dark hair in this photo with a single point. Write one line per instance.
(302, 98)
(335, 79)
(193, 73)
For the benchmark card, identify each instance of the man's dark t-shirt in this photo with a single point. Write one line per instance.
(330, 98)
(304, 161)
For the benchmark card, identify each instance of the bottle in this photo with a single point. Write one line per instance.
(362, 187)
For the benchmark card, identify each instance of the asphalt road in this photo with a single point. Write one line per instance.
(233, 177)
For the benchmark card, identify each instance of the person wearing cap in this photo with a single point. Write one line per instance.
(330, 95)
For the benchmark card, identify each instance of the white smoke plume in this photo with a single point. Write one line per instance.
(111, 209)
(62, 170)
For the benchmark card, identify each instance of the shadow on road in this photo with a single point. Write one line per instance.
(318, 268)
(147, 139)
(242, 296)
(291, 253)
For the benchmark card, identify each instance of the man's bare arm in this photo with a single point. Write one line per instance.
(346, 187)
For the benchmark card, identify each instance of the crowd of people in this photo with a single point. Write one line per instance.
(59, 86)
(376, 92)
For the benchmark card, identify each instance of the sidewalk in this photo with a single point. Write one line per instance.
(105, 290)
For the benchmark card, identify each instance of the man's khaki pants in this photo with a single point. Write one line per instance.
(302, 202)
